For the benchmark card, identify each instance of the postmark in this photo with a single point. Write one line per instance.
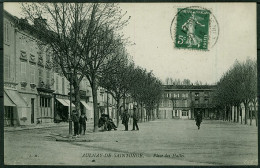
(194, 28)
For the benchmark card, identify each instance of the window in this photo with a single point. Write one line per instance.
(32, 74)
(206, 101)
(206, 93)
(169, 103)
(63, 86)
(47, 77)
(185, 103)
(23, 71)
(197, 101)
(174, 95)
(6, 67)
(57, 83)
(184, 113)
(40, 75)
(196, 94)
(6, 32)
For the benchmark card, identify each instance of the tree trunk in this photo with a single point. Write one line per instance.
(147, 114)
(238, 113)
(235, 114)
(246, 111)
(117, 111)
(95, 103)
(250, 115)
(256, 115)
(223, 114)
(240, 110)
(157, 111)
(141, 112)
(77, 97)
(230, 113)
(107, 105)
(124, 101)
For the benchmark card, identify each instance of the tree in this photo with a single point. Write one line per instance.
(237, 85)
(116, 78)
(82, 38)
(60, 32)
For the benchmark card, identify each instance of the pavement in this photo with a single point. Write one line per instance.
(159, 142)
(37, 126)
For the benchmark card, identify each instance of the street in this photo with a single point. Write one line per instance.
(159, 142)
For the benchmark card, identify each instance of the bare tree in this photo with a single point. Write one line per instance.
(81, 36)
(116, 78)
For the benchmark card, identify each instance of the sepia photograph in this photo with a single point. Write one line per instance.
(130, 84)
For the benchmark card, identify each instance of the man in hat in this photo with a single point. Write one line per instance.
(198, 119)
(82, 123)
(75, 119)
(125, 119)
(135, 119)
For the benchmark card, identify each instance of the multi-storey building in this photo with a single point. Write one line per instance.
(33, 92)
(183, 101)
(28, 76)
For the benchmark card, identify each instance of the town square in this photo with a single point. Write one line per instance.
(106, 84)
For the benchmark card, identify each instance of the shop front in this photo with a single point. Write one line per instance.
(62, 108)
(45, 104)
(16, 110)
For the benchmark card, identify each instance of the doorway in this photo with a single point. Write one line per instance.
(32, 111)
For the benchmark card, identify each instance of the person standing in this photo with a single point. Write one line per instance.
(135, 119)
(125, 119)
(198, 119)
(82, 123)
(75, 119)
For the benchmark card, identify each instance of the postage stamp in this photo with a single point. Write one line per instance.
(194, 28)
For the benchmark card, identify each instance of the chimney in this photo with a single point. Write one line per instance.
(40, 22)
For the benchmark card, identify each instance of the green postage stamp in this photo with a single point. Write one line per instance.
(192, 29)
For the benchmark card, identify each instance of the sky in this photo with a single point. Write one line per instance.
(149, 29)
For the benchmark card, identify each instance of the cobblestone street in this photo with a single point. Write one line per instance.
(159, 142)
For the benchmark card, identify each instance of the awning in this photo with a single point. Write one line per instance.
(8, 101)
(85, 105)
(63, 102)
(68, 102)
(16, 98)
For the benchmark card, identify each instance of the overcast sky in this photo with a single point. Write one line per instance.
(149, 29)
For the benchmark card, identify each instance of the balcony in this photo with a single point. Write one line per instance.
(10, 85)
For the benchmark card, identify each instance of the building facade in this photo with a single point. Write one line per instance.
(33, 92)
(184, 101)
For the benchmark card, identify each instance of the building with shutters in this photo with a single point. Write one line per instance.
(33, 92)
(183, 101)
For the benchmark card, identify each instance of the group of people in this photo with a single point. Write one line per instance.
(107, 122)
(104, 120)
(79, 123)
(125, 119)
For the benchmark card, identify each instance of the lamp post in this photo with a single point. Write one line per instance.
(70, 121)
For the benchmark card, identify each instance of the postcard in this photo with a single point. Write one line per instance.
(128, 84)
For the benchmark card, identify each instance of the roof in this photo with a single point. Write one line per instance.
(189, 87)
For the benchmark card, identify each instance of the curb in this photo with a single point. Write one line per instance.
(30, 128)
(35, 127)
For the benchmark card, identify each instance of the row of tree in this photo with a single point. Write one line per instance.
(85, 41)
(171, 81)
(236, 87)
